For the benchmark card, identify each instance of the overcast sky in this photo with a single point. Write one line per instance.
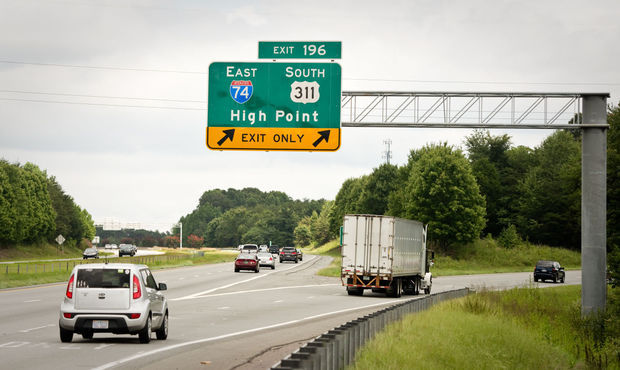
(110, 96)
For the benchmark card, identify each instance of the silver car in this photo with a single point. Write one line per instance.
(119, 298)
(266, 259)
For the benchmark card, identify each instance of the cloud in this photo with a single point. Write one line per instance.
(246, 14)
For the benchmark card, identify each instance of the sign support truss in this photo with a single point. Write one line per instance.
(463, 109)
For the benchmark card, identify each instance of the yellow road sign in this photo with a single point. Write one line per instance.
(268, 138)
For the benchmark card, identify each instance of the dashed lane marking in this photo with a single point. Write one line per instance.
(13, 344)
(37, 328)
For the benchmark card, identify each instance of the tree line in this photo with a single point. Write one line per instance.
(225, 218)
(34, 208)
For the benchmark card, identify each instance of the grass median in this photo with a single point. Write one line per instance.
(35, 273)
(524, 328)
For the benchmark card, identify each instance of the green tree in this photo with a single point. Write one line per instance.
(397, 198)
(26, 213)
(302, 233)
(319, 225)
(488, 156)
(347, 202)
(228, 229)
(377, 188)
(443, 193)
(550, 194)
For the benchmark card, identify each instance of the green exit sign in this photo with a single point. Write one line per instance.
(299, 49)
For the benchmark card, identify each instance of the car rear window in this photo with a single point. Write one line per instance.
(289, 249)
(103, 278)
(545, 263)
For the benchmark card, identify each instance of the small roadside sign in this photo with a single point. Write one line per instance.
(299, 49)
(60, 239)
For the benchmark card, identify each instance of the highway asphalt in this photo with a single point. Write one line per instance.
(219, 319)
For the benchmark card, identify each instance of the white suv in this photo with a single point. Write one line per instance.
(119, 298)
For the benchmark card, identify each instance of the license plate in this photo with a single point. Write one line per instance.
(100, 324)
(543, 270)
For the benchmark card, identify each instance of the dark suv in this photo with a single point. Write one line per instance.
(274, 249)
(289, 254)
(549, 270)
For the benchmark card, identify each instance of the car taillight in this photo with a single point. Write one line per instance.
(270, 259)
(554, 270)
(67, 315)
(134, 315)
(70, 287)
(137, 292)
(293, 252)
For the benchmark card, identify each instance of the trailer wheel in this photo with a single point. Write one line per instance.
(396, 288)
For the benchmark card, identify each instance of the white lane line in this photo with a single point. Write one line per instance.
(251, 291)
(32, 300)
(278, 301)
(70, 347)
(103, 346)
(223, 308)
(224, 336)
(310, 297)
(37, 328)
(232, 284)
(13, 344)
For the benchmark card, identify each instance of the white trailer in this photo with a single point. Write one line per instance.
(386, 254)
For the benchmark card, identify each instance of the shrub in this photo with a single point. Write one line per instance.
(509, 238)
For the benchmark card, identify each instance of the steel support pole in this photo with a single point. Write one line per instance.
(593, 205)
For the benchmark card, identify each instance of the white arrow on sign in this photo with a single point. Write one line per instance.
(60, 239)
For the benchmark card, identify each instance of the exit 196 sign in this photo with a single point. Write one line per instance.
(299, 49)
(274, 106)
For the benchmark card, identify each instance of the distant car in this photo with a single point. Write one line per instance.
(250, 248)
(111, 246)
(289, 254)
(135, 249)
(247, 261)
(126, 250)
(300, 254)
(274, 249)
(90, 253)
(119, 298)
(266, 259)
(263, 248)
(549, 270)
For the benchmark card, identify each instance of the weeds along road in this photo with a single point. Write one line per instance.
(219, 318)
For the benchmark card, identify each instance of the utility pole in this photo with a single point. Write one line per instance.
(388, 153)
(180, 225)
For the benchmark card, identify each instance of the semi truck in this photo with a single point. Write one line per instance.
(385, 254)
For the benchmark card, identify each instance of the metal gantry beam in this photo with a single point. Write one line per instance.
(462, 109)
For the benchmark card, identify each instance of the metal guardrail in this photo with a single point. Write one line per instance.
(67, 265)
(336, 348)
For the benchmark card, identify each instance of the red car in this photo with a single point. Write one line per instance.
(247, 261)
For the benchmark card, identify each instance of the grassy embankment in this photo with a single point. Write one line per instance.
(480, 257)
(43, 273)
(523, 328)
